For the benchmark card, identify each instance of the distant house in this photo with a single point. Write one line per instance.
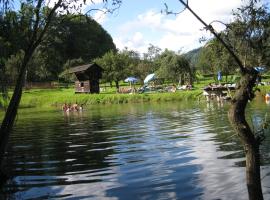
(87, 78)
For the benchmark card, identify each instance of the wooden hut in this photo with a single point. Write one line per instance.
(87, 78)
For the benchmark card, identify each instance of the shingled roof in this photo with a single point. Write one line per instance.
(81, 68)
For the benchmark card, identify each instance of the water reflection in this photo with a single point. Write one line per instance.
(161, 151)
(152, 166)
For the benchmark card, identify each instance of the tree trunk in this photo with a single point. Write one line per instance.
(253, 175)
(251, 144)
(182, 79)
(117, 85)
(12, 109)
(244, 93)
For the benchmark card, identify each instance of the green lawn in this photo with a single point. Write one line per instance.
(57, 97)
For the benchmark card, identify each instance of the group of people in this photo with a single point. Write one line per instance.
(71, 107)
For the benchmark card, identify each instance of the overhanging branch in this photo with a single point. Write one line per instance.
(212, 30)
(169, 12)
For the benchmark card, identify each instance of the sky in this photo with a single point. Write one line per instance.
(138, 23)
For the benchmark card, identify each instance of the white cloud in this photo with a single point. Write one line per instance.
(173, 32)
(174, 42)
(96, 8)
(135, 42)
(100, 16)
(138, 39)
(149, 19)
(79, 6)
(181, 31)
(118, 42)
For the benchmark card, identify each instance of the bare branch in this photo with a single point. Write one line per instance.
(218, 21)
(105, 10)
(5, 5)
(47, 24)
(167, 12)
(37, 14)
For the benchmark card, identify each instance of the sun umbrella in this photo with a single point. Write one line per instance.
(131, 79)
(260, 68)
(149, 77)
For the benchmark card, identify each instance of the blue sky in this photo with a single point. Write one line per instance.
(138, 23)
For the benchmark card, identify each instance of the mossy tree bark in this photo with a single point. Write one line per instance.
(251, 143)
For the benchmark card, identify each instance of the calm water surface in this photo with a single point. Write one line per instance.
(161, 151)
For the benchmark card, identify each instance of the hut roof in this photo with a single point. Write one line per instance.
(81, 68)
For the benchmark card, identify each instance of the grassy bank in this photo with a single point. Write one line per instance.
(57, 97)
(46, 98)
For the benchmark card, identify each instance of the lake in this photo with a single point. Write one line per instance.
(175, 150)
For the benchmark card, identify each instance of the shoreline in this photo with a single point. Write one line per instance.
(54, 98)
(57, 97)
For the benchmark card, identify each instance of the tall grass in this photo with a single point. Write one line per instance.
(57, 97)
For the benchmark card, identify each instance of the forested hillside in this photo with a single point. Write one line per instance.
(72, 37)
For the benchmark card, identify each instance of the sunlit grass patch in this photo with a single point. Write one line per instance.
(57, 97)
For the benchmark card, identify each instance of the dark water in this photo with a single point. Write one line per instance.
(162, 151)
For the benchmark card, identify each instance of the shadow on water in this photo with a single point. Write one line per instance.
(142, 151)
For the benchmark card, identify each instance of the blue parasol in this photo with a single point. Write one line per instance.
(131, 79)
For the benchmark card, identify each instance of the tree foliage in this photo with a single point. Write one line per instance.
(69, 37)
(214, 57)
(174, 67)
(114, 64)
(34, 32)
(248, 35)
(168, 65)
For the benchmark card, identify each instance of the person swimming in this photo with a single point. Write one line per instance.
(74, 107)
(65, 107)
(81, 107)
